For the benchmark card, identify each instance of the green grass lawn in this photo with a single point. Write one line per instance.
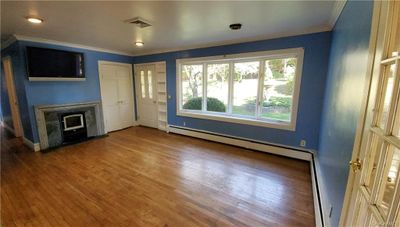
(241, 110)
(277, 116)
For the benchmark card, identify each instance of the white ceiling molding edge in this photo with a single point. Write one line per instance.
(237, 41)
(74, 45)
(16, 37)
(338, 8)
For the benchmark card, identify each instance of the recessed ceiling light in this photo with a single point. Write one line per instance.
(34, 20)
(235, 26)
(139, 44)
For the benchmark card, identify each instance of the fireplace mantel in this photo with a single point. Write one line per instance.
(48, 130)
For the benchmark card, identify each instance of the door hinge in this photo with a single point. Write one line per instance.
(355, 165)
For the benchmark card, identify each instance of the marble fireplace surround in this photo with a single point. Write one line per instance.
(48, 125)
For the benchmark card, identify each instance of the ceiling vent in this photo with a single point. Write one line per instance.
(141, 23)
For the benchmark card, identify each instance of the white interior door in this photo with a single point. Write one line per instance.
(117, 95)
(146, 95)
(375, 194)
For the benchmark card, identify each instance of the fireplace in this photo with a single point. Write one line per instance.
(68, 123)
(73, 127)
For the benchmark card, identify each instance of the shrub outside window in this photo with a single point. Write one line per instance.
(217, 87)
(259, 88)
(192, 84)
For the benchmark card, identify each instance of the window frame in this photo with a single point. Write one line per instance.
(227, 116)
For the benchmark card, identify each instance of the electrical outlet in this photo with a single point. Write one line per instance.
(184, 123)
(302, 143)
(330, 211)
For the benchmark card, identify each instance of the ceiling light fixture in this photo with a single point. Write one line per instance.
(34, 20)
(139, 44)
(235, 26)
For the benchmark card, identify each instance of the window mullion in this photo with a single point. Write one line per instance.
(204, 79)
(230, 87)
(260, 89)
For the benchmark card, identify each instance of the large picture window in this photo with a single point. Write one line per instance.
(259, 88)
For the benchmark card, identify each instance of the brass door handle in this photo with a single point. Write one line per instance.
(355, 165)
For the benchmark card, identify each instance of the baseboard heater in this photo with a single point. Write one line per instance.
(319, 214)
(277, 149)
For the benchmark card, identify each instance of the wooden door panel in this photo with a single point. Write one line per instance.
(125, 98)
(117, 97)
(147, 98)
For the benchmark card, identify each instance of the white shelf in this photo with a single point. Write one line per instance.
(162, 118)
(162, 127)
(162, 95)
(161, 88)
(160, 68)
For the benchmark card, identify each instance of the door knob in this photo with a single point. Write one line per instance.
(355, 165)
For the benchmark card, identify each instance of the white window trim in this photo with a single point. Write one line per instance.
(260, 55)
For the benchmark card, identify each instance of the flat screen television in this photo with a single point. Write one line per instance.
(49, 64)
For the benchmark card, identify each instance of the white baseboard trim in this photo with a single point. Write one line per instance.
(34, 146)
(243, 142)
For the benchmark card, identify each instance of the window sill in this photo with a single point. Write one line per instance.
(290, 126)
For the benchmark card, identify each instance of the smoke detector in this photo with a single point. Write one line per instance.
(140, 22)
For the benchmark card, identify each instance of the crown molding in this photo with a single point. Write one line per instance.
(74, 45)
(8, 42)
(324, 28)
(161, 51)
(337, 10)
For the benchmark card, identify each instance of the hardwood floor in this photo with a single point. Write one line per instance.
(145, 177)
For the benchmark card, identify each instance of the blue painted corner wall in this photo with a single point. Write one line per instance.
(5, 109)
(60, 92)
(316, 51)
(18, 67)
(342, 102)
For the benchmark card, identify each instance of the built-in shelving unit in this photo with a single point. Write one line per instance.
(162, 95)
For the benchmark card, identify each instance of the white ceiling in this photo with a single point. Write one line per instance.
(176, 25)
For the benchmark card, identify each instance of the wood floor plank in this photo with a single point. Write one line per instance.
(145, 177)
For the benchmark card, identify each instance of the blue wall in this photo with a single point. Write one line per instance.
(18, 67)
(62, 92)
(342, 102)
(5, 110)
(316, 52)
